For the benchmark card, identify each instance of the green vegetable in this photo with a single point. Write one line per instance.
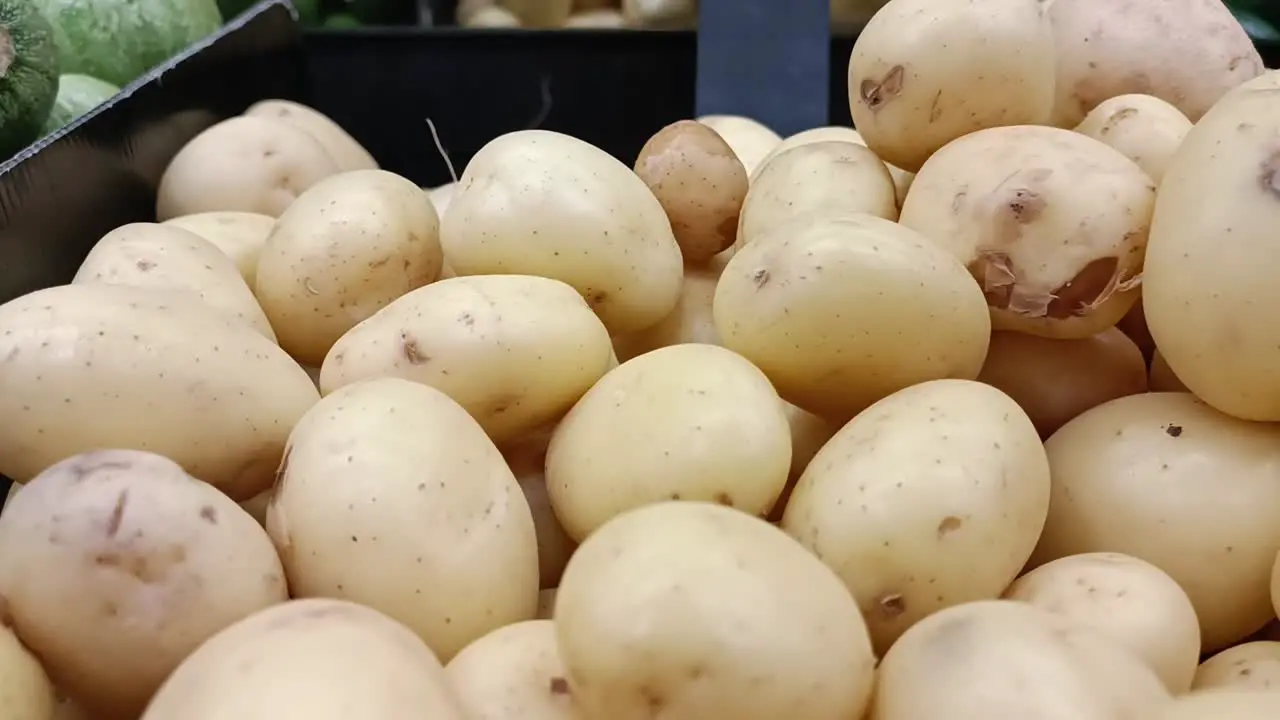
(77, 95)
(342, 20)
(28, 74)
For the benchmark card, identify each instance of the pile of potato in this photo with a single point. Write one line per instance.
(973, 413)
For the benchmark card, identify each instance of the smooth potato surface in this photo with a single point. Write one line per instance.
(1248, 666)
(1143, 128)
(345, 151)
(25, 690)
(1221, 704)
(513, 672)
(239, 235)
(690, 322)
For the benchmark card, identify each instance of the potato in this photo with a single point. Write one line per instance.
(690, 322)
(25, 689)
(923, 74)
(250, 164)
(604, 18)
(516, 351)
(932, 497)
(842, 310)
(1056, 380)
(513, 672)
(1161, 377)
(316, 659)
(98, 366)
(700, 184)
(662, 14)
(239, 235)
(808, 434)
(751, 141)
(1052, 224)
(1208, 303)
(901, 178)
(121, 555)
(441, 197)
(1186, 52)
(536, 202)
(692, 611)
(344, 149)
(690, 421)
(489, 17)
(1130, 601)
(1143, 128)
(1251, 666)
(527, 460)
(1002, 659)
(346, 249)
(829, 176)
(436, 533)
(539, 13)
(1222, 704)
(1167, 479)
(149, 255)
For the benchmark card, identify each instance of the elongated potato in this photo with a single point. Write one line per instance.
(239, 235)
(149, 255)
(1143, 128)
(923, 74)
(536, 202)
(24, 685)
(343, 251)
(690, 322)
(1249, 666)
(932, 497)
(751, 140)
(840, 311)
(513, 672)
(1053, 225)
(99, 366)
(345, 151)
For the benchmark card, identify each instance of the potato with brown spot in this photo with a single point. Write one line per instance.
(346, 152)
(112, 574)
(700, 183)
(513, 672)
(930, 498)
(25, 690)
(923, 74)
(1052, 224)
(1248, 666)
(1143, 128)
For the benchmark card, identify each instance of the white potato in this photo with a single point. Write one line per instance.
(239, 235)
(344, 149)
(1249, 666)
(1222, 704)
(833, 133)
(513, 672)
(1143, 128)
(25, 690)
(751, 141)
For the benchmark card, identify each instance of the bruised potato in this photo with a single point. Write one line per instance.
(1249, 666)
(249, 164)
(690, 322)
(1052, 224)
(24, 686)
(239, 235)
(513, 672)
(1143, 128)
(120, 554)
(751, 141)
(345, 151)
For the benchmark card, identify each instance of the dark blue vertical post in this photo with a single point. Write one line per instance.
(766, 59)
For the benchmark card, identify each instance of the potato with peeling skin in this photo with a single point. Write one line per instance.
(513, 672)
(1249, 666)
(239, 235)
(1052, 224)
(121, 554)
(1143, 128)
(700, 183)
(923, 74)
(751, 141)
(25, 690)
(690, 322)
(344, 149)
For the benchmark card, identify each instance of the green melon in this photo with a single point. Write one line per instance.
(119, 40)
(77, 95)
(28, 74)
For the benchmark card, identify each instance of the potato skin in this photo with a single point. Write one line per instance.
(751, 141)
(1143, 128)
(345, 151)
(120, 554)
(690, 322)
(1221, 704)
(24, 686)
(239, 235)
(1248, 666)
(93, 366)
(513, 672)
(930, 498)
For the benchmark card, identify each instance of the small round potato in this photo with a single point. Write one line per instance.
(1167, 479)
(1250, 666)
(1056, 380)
(318, 659)
(1053, 225)
(513, 672)
(536, 202)
(923, 74)
(516, 351)
(692, 611)
(700, 183)
(25, 690)
(1145, 129)
(932, 497)
(119, 555)
(686, 422)
(343, 251)
(527, 459)
(1221, 705)
(150, 255)
(239, 235)
(1130, 601)
(842, 310)
(1003, 659)
(391, 496)
(250, 164)
(345, 151)
(690, 322)
(1161, 377)
(751, 141)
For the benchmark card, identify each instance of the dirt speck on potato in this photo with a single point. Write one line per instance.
(949, 524)
(117, 514)
(1173, 431)
(558, 686)
(760, 278)
(209, 515)
(410, 350)
(1269, 177)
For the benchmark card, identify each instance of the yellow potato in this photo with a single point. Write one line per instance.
(1250, 666)
(513, 672)
(1130, 601)
(1002, 659)
(808, 434)
(149, 255)
(932, 497)
(1051, 223)
(923, 74)
(698, 611)
(249, 164)
(842, 310)
(535, 202)
(528, 460)
(116, 564)
(99, 366)
(901, 178)
(488, 17)
(314, 659)
(391, 496)
(1161, 377)
(690, 322)
(1167, 479)
(1222, 704)
(686, 422)
(539, 13)
(515, 351)
(344, 149)
(1143, 128)
(25, 690)
(239, 235)
(751, 141)
(346, 249)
